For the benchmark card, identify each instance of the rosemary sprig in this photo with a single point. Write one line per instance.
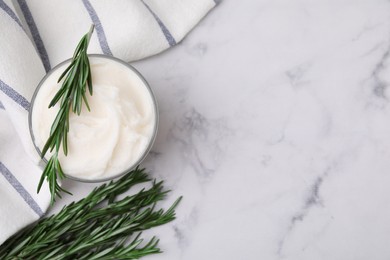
(71, 95)
(98, 226)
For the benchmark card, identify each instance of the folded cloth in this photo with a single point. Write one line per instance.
(37, 35)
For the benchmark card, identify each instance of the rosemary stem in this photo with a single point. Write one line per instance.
(91, 29)
(71, 96)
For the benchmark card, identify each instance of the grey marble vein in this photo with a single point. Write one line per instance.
(380, 85)
(312, 200)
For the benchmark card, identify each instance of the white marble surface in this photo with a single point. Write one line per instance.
(275, 126)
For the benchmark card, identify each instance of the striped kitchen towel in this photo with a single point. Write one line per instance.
(38, 34)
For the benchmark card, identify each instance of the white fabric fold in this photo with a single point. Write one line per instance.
(36, 35)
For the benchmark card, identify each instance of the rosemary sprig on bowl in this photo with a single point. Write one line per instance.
(98, 226)
(71, 95)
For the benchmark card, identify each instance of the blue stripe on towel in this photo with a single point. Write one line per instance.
(164, 29)
(99, 28)
(1, 105)
(20, 189)
(15, 96)
(11, 13)
(35, 34)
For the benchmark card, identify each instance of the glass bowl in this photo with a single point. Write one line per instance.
(151, 140)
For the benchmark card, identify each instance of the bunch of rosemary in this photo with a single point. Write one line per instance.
(98, 226)
(71, 95)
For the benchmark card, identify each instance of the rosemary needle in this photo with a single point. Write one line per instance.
(72, 94)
